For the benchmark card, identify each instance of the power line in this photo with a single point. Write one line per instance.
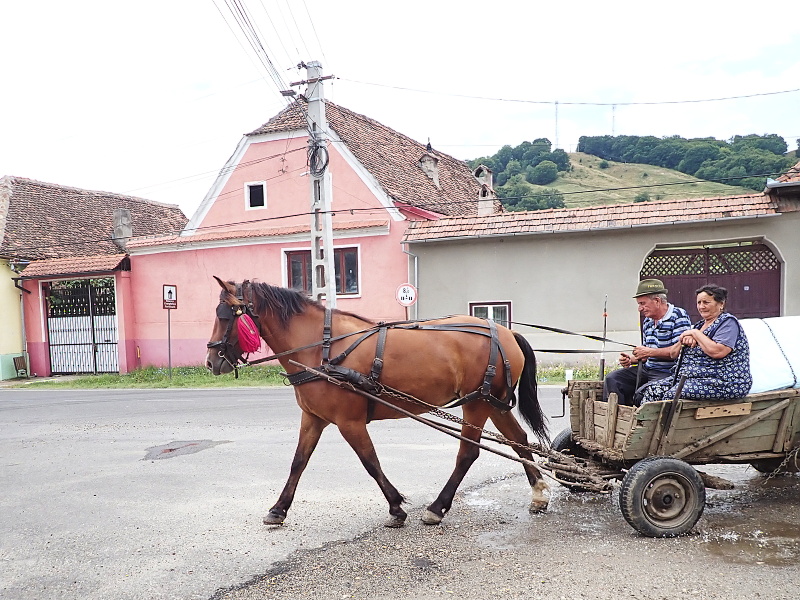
(376, 209)
(578, 103)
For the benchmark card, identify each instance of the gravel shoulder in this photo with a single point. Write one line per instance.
(747, 545)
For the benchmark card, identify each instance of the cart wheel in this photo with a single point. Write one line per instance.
(662, 497)
(563, 442)
(770, 465)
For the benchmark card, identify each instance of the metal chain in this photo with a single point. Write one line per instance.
(578, 476)
(789, 456)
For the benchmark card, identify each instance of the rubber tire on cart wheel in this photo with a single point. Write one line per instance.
(662, 497)
(768, 465)
(563, 442)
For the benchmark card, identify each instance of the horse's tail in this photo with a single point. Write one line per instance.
(529, 406)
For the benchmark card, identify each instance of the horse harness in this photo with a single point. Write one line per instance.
(370, 383)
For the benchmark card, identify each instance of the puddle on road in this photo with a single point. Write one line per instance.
(179, 449)
(758, 522)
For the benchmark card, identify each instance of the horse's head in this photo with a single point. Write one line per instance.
(224, 349)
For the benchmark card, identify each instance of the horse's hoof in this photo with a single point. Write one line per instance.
(431, 518)
(395, 521)
(274, 517)
(538, 507)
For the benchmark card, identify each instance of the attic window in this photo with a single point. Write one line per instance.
(255, 195)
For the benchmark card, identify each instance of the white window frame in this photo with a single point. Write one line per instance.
(285, 266)
(247, 186)
(490, 306)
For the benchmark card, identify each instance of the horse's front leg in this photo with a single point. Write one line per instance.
(355, 433)
(512, 430)
(310, 431)
(475, 414)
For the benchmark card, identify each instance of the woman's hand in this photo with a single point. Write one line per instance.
(695, 337)
(690, 337)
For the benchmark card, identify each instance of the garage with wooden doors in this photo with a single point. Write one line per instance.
(750, 271)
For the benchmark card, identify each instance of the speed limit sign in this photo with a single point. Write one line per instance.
(406, 294)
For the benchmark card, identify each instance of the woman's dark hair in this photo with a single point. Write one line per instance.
(719, 293)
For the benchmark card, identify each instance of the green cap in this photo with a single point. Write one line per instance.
(650, 286)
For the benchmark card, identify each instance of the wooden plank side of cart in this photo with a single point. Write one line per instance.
(764, 425)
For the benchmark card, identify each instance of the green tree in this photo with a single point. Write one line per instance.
(696, 155)
(543, 173)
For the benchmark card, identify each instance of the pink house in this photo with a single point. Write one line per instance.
(67, 292)
(255, 223)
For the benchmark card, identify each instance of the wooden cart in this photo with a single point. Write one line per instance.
(653, 447)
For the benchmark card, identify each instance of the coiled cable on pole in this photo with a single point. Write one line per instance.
(317, 157)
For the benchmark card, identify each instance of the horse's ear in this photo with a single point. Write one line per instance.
(225, 286)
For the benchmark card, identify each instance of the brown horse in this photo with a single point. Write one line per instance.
(434, 361)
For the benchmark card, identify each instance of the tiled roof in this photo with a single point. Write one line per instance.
(267, 232)
(74, 265)
(45, 220)
(615, 216)
(392, 158)
(792, 174)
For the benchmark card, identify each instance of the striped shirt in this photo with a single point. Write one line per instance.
(663, 334)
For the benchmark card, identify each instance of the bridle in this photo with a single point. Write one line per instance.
(228, 312)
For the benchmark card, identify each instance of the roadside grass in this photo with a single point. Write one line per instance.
(200, 377)
(153, 377)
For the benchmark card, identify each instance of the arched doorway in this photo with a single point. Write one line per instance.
(750, 271)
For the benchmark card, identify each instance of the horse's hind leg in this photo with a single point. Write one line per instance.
(512, 430)
(468, 453)
(310, 431)
(355, 433)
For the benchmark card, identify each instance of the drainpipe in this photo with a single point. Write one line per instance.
(416, 280)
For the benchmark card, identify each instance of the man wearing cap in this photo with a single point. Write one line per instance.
(662, 327)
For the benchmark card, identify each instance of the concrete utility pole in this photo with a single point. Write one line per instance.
(323, 274)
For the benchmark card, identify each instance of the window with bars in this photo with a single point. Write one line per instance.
(299, 272)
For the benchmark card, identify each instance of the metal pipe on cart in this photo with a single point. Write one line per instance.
(603, 349)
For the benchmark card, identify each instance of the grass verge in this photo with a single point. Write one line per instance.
(200, 377)
(153, 377)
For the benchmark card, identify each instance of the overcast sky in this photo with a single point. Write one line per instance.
(150, 98)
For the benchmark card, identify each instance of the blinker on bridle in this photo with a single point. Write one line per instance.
(226, 312)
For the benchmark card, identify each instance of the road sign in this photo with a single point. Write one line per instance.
(170, 297)
(406, 294)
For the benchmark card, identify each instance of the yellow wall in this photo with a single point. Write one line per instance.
(11, 330)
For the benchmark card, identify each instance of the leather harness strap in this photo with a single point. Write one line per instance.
(371, 383)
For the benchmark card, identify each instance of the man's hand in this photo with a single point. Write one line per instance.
(642, 352)
(625, 360)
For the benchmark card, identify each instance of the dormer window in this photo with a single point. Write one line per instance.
(255, 195)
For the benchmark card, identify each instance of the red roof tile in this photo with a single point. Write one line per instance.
(45, 220)
(615, 216)
(792, 174)
(75, 265)
(392, 158)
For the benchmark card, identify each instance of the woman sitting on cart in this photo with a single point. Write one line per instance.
(714, 356)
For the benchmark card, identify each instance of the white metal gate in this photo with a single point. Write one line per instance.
(82, 326)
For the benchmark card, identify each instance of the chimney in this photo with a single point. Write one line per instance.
(486, 195)
(122, 227)
(430, 166)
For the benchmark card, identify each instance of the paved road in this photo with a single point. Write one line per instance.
(88, 512)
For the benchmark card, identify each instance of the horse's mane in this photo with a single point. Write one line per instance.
(286, 303)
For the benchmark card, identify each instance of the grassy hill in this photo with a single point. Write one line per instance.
(621, 182)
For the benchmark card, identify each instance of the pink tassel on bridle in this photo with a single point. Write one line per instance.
(249, 339)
